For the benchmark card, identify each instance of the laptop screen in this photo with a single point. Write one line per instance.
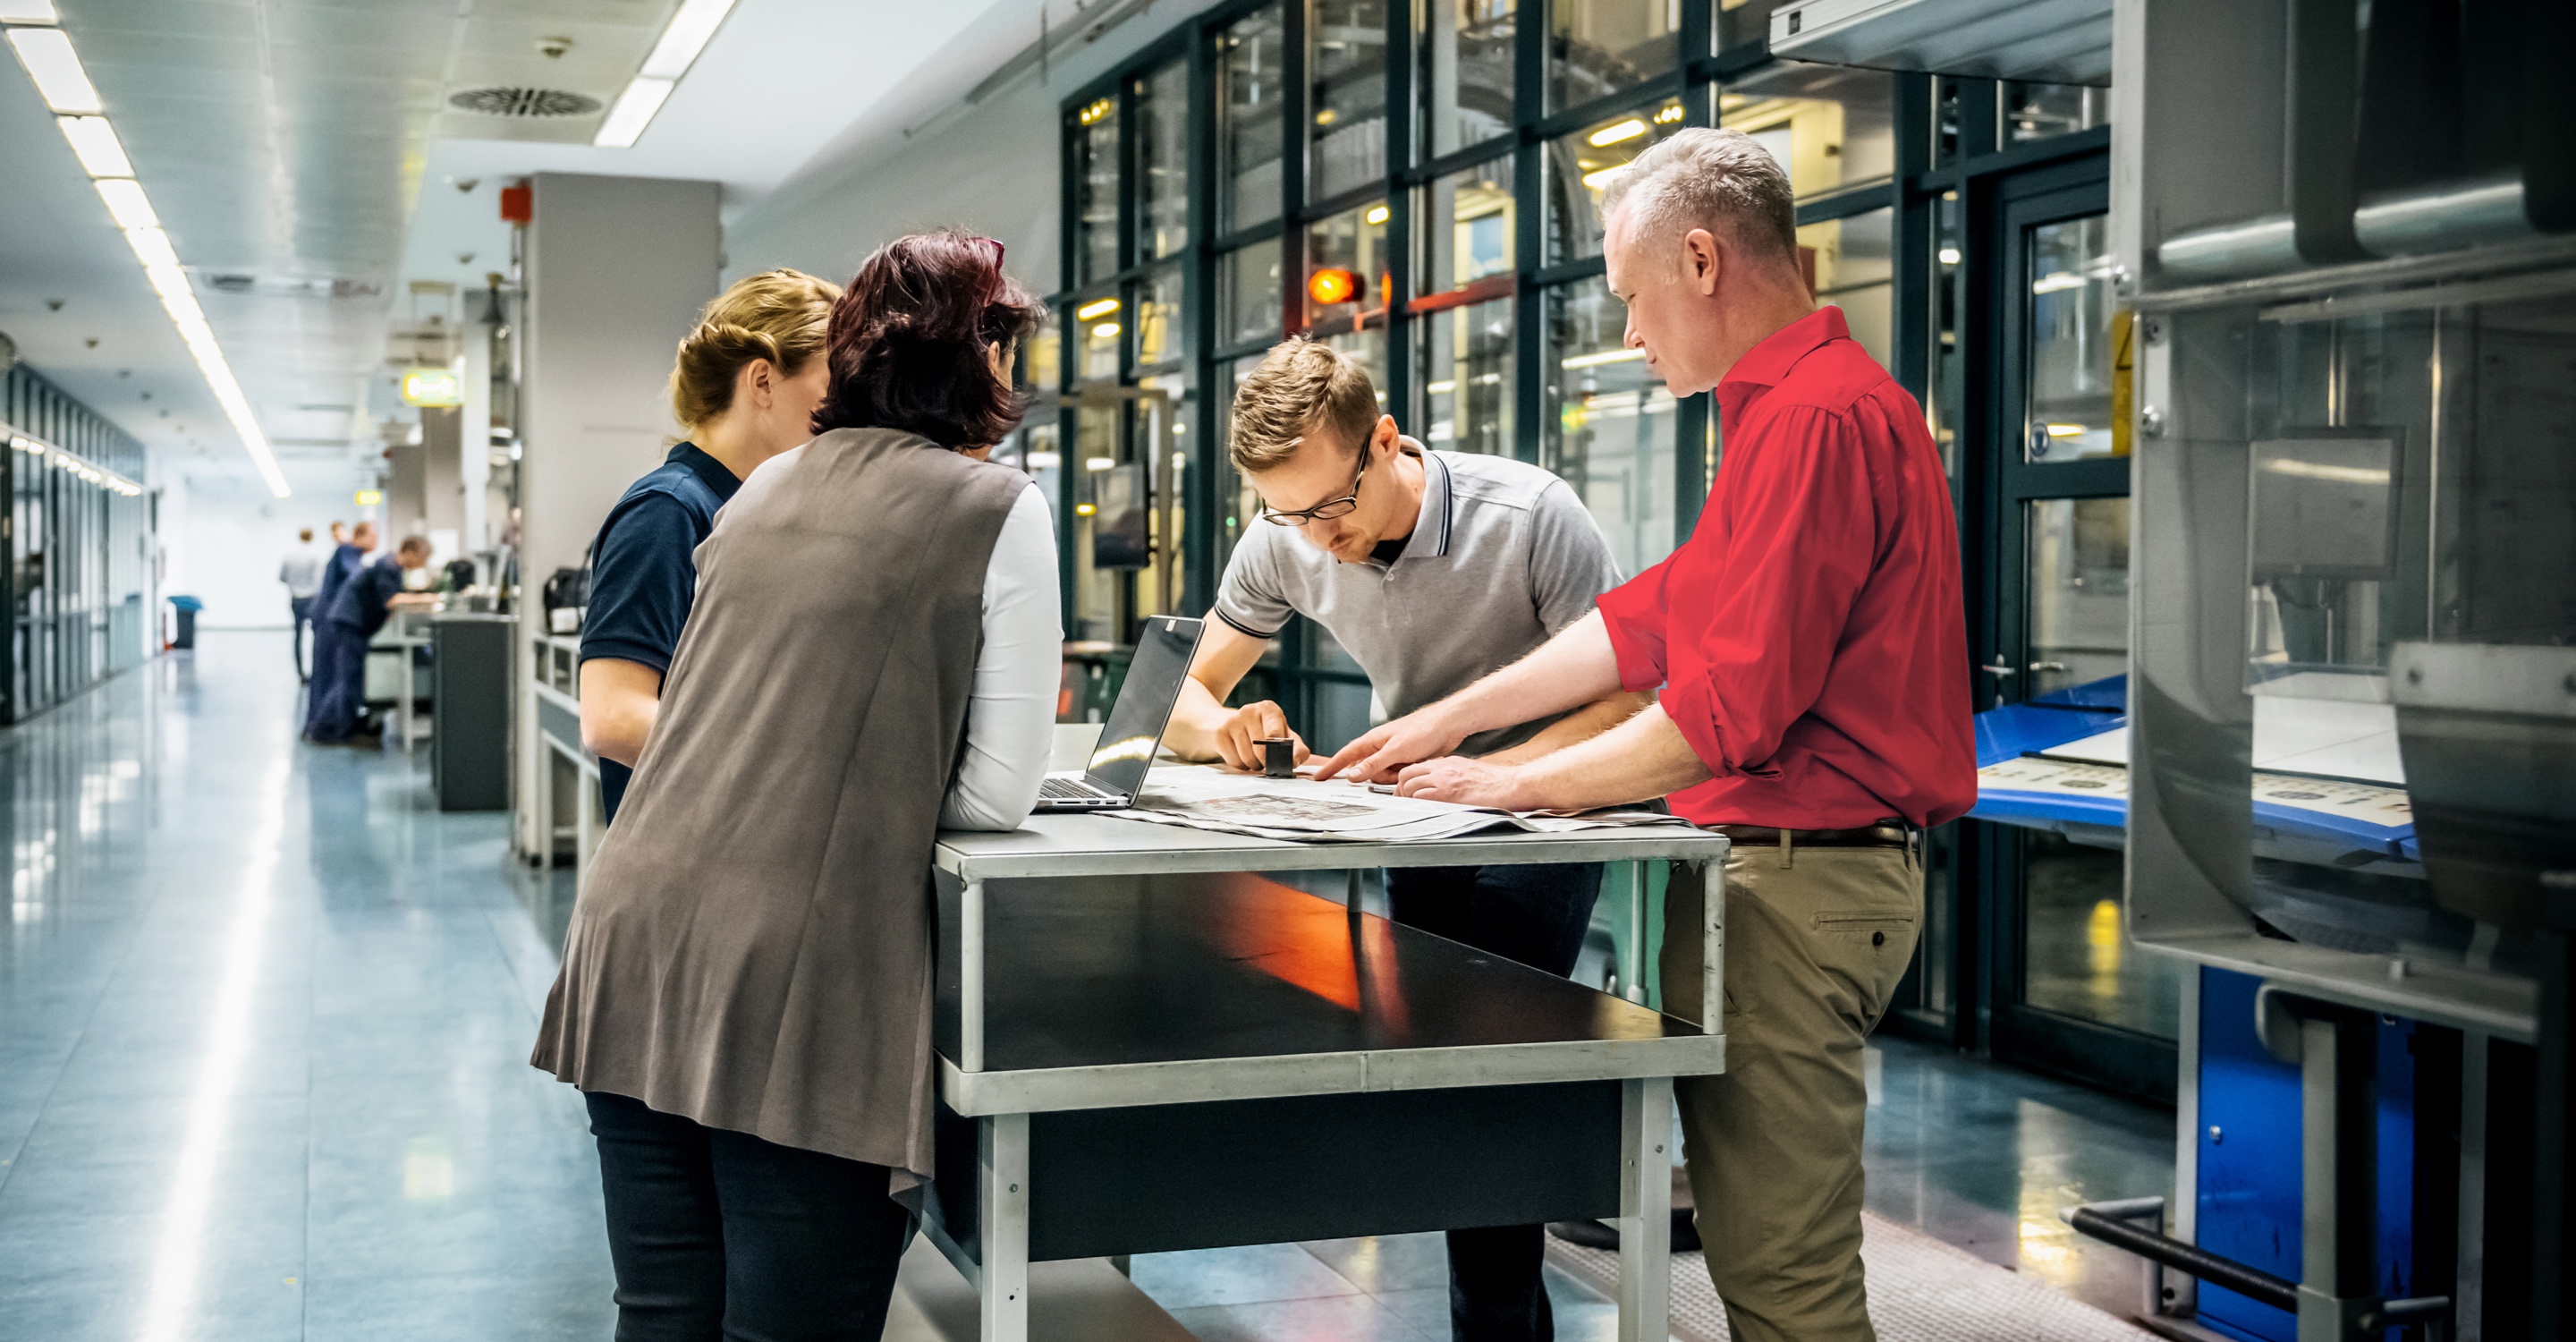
(1145, 700)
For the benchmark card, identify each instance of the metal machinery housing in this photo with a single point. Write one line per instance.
(2349, 236)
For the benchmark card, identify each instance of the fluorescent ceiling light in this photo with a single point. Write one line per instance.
(151, 247)
(634, 111)
(169, 282)
(1605, 356)
(126, 201)
(1613, 134)
(1597, 178)
(686, 36)
(56, 68)
(1098, 307)
(95, 141)
(682, 39)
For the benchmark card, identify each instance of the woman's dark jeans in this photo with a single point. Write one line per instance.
(722, 1236)
(1535, 915)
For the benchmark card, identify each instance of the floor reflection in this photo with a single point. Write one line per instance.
(264, 1015)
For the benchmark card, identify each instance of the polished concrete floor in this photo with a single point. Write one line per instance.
(264, 1017)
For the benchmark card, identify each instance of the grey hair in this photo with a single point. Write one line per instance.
(1712, 179)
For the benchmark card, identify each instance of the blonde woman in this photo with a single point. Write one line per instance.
(746, 385)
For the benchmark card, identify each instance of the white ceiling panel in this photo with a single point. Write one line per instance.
(306, 162)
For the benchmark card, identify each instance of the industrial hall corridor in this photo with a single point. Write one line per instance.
(264, 1024)
(1287, 671)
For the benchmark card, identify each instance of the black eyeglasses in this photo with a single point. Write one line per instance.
(1326, 511)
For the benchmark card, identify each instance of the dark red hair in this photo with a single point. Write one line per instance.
(910, 342)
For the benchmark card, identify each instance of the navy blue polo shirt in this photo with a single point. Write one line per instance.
(643, 573)
(365, 601)
(346, 560)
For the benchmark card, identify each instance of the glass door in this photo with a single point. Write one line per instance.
(2067, 990)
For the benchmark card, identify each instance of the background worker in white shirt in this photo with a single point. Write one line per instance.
(301, 571)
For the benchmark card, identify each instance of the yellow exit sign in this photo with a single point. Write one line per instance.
(432, 387)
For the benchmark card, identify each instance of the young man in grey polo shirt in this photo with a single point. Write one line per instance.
(1431, 569)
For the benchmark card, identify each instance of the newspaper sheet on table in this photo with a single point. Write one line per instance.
(1303, 810)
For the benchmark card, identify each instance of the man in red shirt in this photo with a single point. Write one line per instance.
(1810, 646)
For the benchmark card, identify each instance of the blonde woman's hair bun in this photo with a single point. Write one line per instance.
(777, 315)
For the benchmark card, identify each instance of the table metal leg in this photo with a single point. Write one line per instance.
(970, 981)
(1003, 1227)
(402, 711)
(1645, 1211)
(1712, 955)
(1646, 924)
(545, 806)
(1631, 952)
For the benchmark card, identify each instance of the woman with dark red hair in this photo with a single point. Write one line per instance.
(745, 997)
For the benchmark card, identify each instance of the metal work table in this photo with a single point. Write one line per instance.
(1146, 1046)
(404, 638)
(553, 692)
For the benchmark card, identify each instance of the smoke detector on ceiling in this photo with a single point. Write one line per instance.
(524, 102)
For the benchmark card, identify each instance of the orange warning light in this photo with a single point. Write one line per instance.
(1333, 285)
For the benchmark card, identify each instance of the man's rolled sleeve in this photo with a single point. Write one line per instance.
(1633, 613)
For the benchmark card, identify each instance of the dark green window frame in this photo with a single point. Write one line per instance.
(1940, 147)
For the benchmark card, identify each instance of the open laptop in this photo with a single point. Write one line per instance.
(1136, 722)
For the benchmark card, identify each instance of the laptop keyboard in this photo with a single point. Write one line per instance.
(1068, 789)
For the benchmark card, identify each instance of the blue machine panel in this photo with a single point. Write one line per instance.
(2249, 1153)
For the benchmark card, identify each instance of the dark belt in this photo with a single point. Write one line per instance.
(1885, 834)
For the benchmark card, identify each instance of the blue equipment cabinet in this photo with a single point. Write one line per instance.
(2247, 1154)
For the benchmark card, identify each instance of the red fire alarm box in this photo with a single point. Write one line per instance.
(518, 204)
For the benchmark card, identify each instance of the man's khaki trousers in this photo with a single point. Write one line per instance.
(1816, 940)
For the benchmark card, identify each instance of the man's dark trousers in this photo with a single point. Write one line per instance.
(302, 606)
(1535, 915)
(338, 701)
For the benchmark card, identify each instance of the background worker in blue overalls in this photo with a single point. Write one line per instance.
(359, 607)
(349, 548)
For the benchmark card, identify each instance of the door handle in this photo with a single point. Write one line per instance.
(1998, 670)
(2048, 666)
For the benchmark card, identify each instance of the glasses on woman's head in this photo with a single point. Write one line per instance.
(1327, 510)
(993, 286)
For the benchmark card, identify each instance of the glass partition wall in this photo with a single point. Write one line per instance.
(79, 530)
(1418, 182)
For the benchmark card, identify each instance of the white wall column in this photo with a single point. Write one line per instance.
(616, 270)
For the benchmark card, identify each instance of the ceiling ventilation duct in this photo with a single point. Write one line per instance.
(524, 102)
(2044, 41)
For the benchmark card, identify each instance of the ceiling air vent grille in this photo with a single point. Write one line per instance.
(520, 102)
